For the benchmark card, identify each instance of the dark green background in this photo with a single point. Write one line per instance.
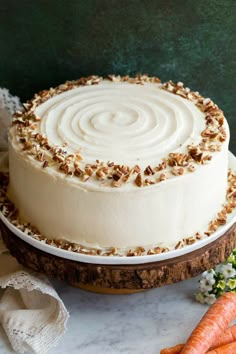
(46, 42)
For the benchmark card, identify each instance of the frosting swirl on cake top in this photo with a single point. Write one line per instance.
(127, 123)
(120, 129)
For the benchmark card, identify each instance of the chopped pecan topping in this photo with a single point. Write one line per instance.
(139, 180)
(85, 178)
(124, 169)
(58, 157)
(210, 132)
(65, 168)
(177, 171)
(22, 140)
(222, 135)
(162, 166)
(195, 152)
(179, 244)
(78, 157)
(163, 177)
(198, 236)
(117, 175)
(191, 168)
(148, 181)
(190, 240)
(88, 170)
(130, 253)
(164, 249)
(126, 177)
(77, 171)
(102, 172)
(205, 159)
(176, 159)
(27, 145)
(136, 169)
(149, 171)
(157, 250)
(45, 164)
(114, 78)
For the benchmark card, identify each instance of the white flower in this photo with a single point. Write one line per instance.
(206, 284)
(210, 299)
(218, 268)
(228, 271)
(209, 275)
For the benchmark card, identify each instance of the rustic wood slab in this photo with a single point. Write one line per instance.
(121, 279)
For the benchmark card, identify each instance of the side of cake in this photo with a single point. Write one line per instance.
(119, 162)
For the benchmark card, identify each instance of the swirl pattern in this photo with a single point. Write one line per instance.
(121, 122)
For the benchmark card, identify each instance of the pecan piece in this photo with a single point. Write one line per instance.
(139, 180)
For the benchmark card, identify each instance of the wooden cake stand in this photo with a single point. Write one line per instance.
(121, 279)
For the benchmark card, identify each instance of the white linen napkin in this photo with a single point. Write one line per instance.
(31, 312)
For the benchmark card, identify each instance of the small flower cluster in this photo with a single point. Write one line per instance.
(217, 281)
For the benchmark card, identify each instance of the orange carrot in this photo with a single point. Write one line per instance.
(212, 325)
(227, 337)
(224, 349)
(173, 350)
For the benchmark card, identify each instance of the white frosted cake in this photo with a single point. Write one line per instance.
(119, 162)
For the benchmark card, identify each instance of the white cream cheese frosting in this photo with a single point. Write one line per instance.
(117, 123)
(122, 122)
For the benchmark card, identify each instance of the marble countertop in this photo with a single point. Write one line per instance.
(138, 323)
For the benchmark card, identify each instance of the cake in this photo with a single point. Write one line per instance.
(119, 162)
